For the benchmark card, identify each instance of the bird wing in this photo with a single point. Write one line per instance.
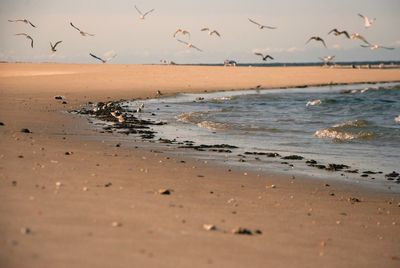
(75, 27)
(177, 31)
(148, 12)
(333, 31)
(30, 39)
(57, 43)
(186, 43)
(323, 42)
(389, 48)
(89, 34)
(137, 9)
(363, 39)
(268, 56)
(94, 56)
(269, 27)
(215, 32)
(346, 34)
(362, 16)
(311, 38)
(365, 46)
(31, 24)
(24, 34)
(254, 22)
(186, 32)
(197, 48)
(259, 54)
(205, 29)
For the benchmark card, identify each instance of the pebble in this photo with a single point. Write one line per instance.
(272, 186)
(68, 153)
(353, 200)
(25, 231)
(25, 130)
(1, 124)
(58, 184)
(209, 227)
(116, 224)
(85, 189)
(165, 191)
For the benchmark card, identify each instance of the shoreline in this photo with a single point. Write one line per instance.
(90, 203)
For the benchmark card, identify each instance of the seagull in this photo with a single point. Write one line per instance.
(313, 103)
(53, 47)
(264, 58)
(373, 47)
(24, 21)
(336, 32)
(140, 108)
(28, 37)
(143, 16)
(316, 38)
(80, 31)
(101, 59)
(190, 45)
(359, 37)
(327, 59)
(261, 27)
(181, 31)
(367, 21)
(210, 32)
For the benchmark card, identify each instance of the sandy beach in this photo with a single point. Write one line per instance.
(71, 198)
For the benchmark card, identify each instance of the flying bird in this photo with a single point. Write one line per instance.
(103, 60)
(210, 32)
(181, 31)
(359, 37)
(261, 27)
(327, 59)
(80, 31)
(336, 32)
(373, 47)
(27, 37)
(367, 21)
(190, 45)
(53, 47)
(143, 16)
(24, 21)
(316, 38)
(264, 58)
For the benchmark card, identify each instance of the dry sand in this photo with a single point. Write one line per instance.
(56, 210)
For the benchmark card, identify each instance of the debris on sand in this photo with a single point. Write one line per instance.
(209, 227)
(25, 231)
(245, 231)
(353, 200)
(165, 191)
(25, 130)
(272, 186)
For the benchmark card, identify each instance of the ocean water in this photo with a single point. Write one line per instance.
(353, 125)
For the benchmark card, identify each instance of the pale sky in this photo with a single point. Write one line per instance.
(118, 28)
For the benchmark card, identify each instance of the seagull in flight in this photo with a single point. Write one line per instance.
(101, 59)
(373, 47)
(327, 59)
(190, 45)
(80, 31)
(359, 37)
(367, 21)
(336, 32)
(143, 16)
(53, 47)
(24, 21)
(264, 58)
(27, 37)
(210, 32)
(181, 31)
(261, 27)
(317, 38)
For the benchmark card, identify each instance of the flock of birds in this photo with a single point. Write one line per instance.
(183, 33)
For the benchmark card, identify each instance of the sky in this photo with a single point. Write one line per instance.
(118, 29)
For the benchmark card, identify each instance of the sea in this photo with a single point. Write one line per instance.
(353, 125)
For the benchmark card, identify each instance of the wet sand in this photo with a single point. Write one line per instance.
(70, 197)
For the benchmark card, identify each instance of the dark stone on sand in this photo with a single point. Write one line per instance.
(164, 191)
(25, 130)
(369, 172)
(1, 124)
(14, 183)
(284, 163)
(353, 200)
(64, 102)
(320, 166)
(351, 171)
(364, 175)
(394, 174)
(68, 153)
(293, 157)
(311, 162)
(118, 145)
(109, 184)
(336, 167)
(242, 231)
(58, 97)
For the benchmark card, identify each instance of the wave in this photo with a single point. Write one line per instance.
(348, 130)
(213, 125)
(191, 117)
